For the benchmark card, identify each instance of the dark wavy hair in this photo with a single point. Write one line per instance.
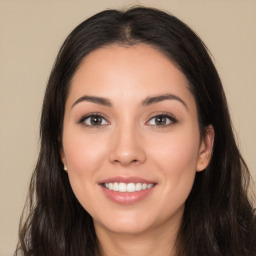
(218, 219)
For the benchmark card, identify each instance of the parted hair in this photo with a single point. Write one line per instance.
(218, 220)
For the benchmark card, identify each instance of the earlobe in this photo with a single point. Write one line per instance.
(63, 159)
(206, 147)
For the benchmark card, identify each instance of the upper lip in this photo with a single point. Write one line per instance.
(131, 179)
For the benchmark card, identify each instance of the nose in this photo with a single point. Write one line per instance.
(127, 147)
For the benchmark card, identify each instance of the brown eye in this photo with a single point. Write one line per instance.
(94, 120)
(162, 120)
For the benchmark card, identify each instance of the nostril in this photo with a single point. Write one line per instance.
(126, 162)
(127, 155)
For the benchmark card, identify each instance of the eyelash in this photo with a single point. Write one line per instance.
(169, 118)
(91, 115)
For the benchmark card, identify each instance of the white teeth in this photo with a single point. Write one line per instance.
(122, 187)
(149, 185)
(144, 186)
(138, 187)
(129, 187)
(115, 186)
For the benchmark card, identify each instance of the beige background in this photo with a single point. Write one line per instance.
(31, 33)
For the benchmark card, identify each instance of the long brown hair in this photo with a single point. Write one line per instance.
(218, 218)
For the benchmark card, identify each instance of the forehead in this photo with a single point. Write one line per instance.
(137, 71)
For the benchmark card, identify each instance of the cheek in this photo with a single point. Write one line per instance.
(84, 157)
(177, 150)
(176, 156)
(177, 162)
(83, 154)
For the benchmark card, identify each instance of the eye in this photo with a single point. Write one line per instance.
(162, 120)
(94, 120)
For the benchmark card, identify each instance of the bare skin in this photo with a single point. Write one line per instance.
(130, 118)
(161, 243)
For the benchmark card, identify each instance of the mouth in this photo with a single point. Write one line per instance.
(127, 190)
(127, 187)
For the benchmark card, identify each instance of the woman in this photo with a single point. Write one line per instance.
(137, 151)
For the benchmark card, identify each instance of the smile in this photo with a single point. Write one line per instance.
(127, 190)
(130, 187)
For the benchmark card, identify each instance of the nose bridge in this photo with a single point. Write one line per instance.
(127, 147)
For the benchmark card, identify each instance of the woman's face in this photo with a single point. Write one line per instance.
(131, 139)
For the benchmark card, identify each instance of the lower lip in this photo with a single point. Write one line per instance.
(127, 198)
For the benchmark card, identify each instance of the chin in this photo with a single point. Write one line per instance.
(125, 223)
(126, 228)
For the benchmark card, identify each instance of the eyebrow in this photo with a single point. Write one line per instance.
(93, 99)
(156, 99)
(148, 101)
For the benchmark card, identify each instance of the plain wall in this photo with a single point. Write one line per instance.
(31, 33)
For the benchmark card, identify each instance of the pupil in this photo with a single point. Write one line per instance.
(96, 120)
(160, 120)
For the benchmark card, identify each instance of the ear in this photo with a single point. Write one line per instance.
(63, 159)
(62, 155)
(205, 150)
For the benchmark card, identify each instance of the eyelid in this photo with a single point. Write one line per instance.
(171, 117)
(84, 117)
